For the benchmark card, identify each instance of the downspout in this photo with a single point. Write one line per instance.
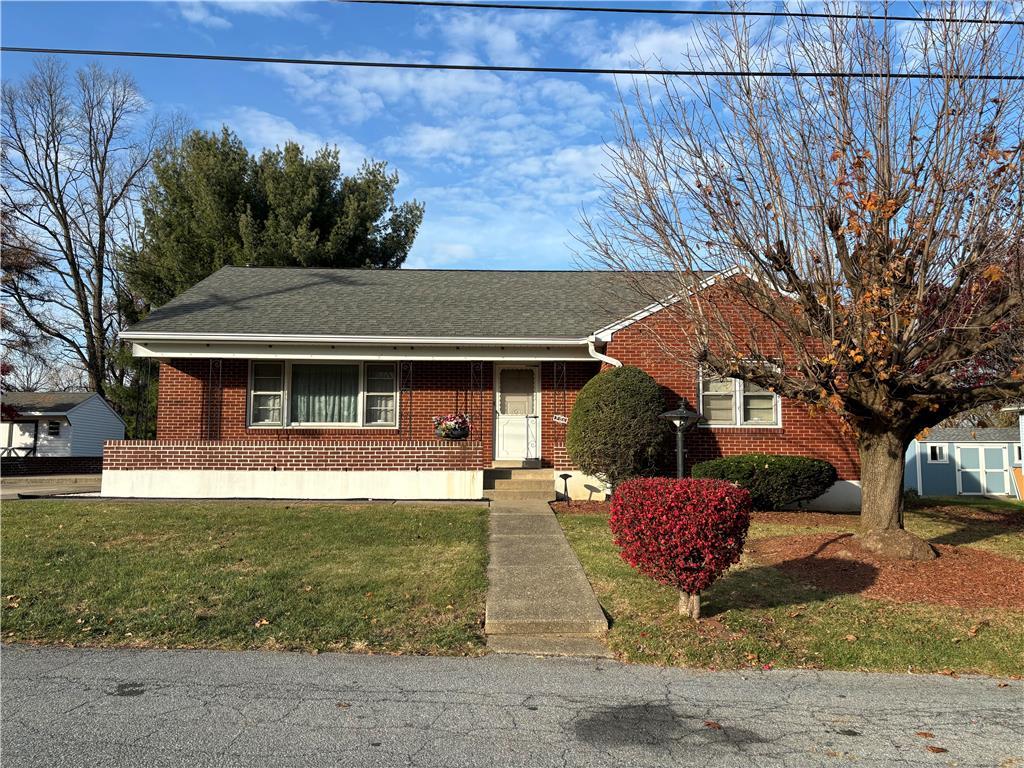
(592, 351)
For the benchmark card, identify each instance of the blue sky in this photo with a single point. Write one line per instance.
(504, 162)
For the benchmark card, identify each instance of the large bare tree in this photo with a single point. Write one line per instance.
(872, 225)
(75, 149)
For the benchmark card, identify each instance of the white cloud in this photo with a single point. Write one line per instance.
(442, 255)
(357, 94)
(196, 12)
(422, 142)
(199, 11)
(259, 129)
(645, 42)
(502, 162)
(512, 38)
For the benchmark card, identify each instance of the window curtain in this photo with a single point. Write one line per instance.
(326, 394)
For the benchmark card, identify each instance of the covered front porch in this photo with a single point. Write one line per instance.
(356, 421)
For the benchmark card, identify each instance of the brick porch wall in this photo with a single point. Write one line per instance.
(558, 399)
(308, 455)
(189, 389)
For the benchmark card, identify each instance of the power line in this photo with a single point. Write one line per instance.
(496, 68)
(676, 11)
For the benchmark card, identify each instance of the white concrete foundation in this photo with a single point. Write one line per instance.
(581, 487)
(264, 484)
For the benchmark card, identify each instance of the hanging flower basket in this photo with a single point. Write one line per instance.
(454, 426)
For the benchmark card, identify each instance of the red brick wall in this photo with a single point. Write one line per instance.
(188, 391)
(803, 433)
(557, 398)
(295, 456)
(433, 388)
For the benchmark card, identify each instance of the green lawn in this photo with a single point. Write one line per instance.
(756, 615)
(993, 525)
(226, 574)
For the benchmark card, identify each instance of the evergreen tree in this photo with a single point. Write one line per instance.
(212, 204)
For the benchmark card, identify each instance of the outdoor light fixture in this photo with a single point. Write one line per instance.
(682, 419)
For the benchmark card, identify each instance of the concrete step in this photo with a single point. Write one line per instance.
(541, 484)
(515, 494)
(549, 645)
(513, 473)
(516, 464)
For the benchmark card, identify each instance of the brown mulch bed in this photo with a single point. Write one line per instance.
(960, 576)
(580, 507)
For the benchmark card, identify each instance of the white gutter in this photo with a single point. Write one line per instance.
(386, 340)
(598, 356)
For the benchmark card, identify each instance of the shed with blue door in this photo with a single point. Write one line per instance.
(965, 461)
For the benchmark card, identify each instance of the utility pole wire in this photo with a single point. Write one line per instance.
(676, 11)
(495, 68)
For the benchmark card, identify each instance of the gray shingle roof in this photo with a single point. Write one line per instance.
(974, 435)
(398, 303)
(45, 402)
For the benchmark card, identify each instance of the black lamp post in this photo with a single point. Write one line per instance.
(682, 419)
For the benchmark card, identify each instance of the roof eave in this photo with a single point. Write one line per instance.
(259, 338)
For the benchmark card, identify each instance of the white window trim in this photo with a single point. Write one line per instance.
(928, 453)
(737, 406)
(1017, 458)
(286, 398)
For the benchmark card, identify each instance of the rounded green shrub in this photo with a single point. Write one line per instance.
(773, 481)
(615, 430)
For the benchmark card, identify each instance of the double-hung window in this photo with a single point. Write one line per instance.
(323, 394)
(266, 404)
(736, 403)
(379, 403)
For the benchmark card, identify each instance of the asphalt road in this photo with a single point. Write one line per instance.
(63, 707)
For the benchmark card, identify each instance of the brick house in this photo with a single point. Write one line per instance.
(318, 383)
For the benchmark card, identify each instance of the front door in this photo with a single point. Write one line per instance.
(517, 413)
(981, 469)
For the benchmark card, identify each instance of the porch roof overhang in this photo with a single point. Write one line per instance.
(291, 347)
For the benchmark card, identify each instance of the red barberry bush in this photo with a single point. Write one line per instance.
(683, 533)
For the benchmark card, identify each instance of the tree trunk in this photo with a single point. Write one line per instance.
(689, 605)
(882, 460)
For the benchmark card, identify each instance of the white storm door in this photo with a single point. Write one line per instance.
(516, 414)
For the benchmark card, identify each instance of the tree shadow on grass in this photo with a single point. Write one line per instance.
(814, 578)
(974, 522)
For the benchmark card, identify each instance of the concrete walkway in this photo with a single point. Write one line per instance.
(538, 600)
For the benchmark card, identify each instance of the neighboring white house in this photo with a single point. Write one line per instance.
(58, 424)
